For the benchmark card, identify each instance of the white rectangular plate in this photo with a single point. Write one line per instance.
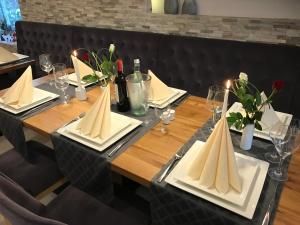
(133, 123)
(163, 103)
(247, 168)
(72, 78)
(20, 56)
(247, 210)
(285, 118)
(39, 97)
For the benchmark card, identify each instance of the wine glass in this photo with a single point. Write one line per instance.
(285, 145)
(61, 79)
(214, 102)
(46, 64)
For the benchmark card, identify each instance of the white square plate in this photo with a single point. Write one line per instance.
(285, 118)
(248, 208)
(247, 168)
(72, 78)
(20, 56)
(118, 124)
(39, 97)
(101, 146)
(164, 102)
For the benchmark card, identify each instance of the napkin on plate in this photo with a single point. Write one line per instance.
(21, 92)
(6, 56)
(269, 117)
(97, 121)
(159, 90)
(215, 165)
(82, 68)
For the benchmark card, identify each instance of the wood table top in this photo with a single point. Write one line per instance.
(141, 161)
(16, 65)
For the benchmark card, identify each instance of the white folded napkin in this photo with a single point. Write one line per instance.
(21, 92)
(97, 121)
(215, 165)
(158, 89)
(269, 117)
(6, 56)
(81, 68)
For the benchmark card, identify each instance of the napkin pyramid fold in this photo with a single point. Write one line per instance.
(82, 69)
(21, 92)
(215, 165)
(269, 116)
(159, 90)
(6, 56)
(97, 121)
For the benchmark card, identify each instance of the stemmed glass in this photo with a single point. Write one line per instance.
(46, 64)
(214, 102)
(61, 79)
(285, 145)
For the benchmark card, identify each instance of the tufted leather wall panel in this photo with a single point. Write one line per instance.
(38, 38)
(189, 63)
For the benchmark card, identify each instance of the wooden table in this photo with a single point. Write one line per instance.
(16, 65)
(145, 158)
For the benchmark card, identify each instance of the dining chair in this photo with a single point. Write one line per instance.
(34, 175)
(72, 206)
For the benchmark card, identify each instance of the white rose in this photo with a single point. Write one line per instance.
(243, 77)
(111, 48)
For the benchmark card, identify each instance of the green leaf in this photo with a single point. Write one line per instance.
(258, 115)
(258, 98)
(231, 120)
(238, 125)
(90, 78)
(257, 126)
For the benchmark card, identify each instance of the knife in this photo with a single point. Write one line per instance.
(115, 149)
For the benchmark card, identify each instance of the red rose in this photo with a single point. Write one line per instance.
(85, 57)
(278, 85)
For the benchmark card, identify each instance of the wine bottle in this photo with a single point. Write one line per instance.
(121, 89)
(136, 71)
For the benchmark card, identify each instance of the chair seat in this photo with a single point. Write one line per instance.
(32, 178)
(75, 207)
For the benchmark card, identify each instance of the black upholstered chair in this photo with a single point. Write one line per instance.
(34, 175)
(72, 206)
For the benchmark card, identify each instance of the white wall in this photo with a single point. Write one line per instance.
(289, 9)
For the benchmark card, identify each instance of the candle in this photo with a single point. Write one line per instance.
(76, 67)
(224, 109)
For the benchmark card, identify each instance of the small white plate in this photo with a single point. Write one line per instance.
(164, 102)
(133, 123)
(72, 78)
(39, 97)
(20, 56)
(285, 118)
(247, 210)
(247, 168)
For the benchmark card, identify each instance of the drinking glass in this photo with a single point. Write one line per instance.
(46, 65)
(164, 115)
(285, 145)
(61, 80)
(214, 102)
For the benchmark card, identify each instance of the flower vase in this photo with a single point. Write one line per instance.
(171, 6)
(247, 137)
(189, 7)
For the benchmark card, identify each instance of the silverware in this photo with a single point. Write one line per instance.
(116, 149)
(266, 219)
(75, 119)
(35, 109)
(164, 174)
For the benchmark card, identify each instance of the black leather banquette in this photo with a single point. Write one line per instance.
(188, 63)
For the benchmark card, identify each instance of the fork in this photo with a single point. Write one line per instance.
(177, 157)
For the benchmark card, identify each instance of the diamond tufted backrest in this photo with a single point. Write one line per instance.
(189, 63)
(35, 39)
